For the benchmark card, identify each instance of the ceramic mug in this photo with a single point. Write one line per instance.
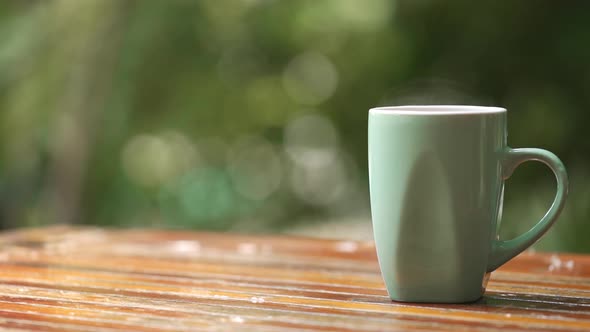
(436, 178)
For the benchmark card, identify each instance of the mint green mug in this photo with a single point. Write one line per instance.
(436, 178)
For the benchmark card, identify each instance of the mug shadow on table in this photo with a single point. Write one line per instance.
(504, 303)
(499, 300)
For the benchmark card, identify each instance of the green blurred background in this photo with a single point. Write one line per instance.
(251, 115)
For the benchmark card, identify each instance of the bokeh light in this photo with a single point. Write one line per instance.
(321, 184)
(255, 167)
(151, 160)
(310, 78)
(311, 140)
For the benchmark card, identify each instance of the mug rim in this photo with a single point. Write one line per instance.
(436, 110)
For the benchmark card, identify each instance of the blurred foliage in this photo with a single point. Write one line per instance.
(251, 114)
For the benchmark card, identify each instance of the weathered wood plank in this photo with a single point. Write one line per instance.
(86, 279)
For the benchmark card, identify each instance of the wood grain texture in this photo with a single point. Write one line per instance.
(87, 279)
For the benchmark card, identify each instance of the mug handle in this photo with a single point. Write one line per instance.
(503, 251)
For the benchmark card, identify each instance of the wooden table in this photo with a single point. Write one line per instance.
(86, 279)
